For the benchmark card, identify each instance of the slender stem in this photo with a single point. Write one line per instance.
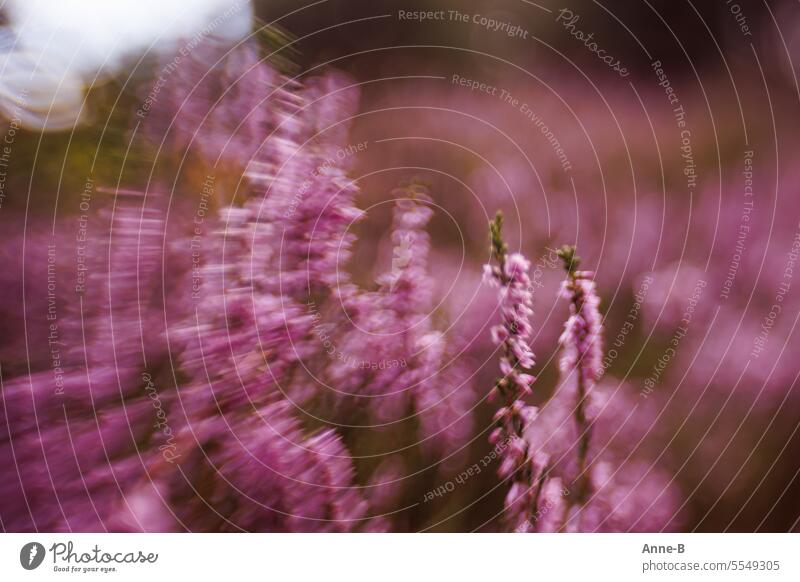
(582, 479)
(571, 262)
(580, 413)
(583, 445)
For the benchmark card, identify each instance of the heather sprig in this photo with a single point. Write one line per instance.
(582, 356)
(245, 461)
(394, 359)
(525, 469)
(438, 387)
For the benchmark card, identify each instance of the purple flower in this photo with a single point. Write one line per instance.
(518, 464)
(217, 100)
(391, 359)
(582, 337)
(582, 353)
(255, 473)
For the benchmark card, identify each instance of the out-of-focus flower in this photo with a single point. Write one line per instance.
(627, 490)
(254, 474)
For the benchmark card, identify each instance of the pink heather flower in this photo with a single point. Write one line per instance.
(221, 451)
(517, 460)
(582, 354)
(253, 336)
(395, 359)
(74, 428)
(217, 101)
(627, 490)
(442, 396)
(166, 404)
(306, 202)
(407, 284)
(271, 258)
(582, 337)
(390, 364)
(631, 495)
(515, 308)
(255, 473)
(550, 506)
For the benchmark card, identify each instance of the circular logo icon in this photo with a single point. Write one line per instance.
(31, 555)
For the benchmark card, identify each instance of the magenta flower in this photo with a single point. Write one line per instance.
(392, 360)
(582, 355)
(518, 462)
(217, 100)
(582, 340)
